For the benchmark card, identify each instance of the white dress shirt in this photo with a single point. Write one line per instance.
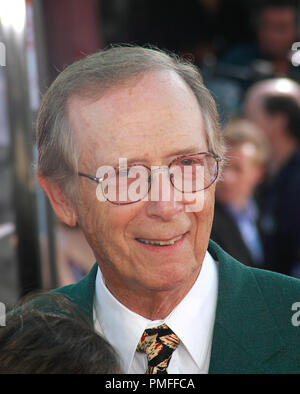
(192, 320)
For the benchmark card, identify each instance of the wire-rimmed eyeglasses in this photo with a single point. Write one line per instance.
(124, 184)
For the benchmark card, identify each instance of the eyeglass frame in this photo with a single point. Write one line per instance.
(98, 180)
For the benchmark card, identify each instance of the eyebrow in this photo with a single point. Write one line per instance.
(187, 151)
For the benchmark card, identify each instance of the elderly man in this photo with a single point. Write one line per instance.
(111, 128)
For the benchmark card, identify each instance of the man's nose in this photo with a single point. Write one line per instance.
(165, 210)
(164, 201)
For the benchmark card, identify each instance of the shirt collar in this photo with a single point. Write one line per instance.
(250, 211)
(193, 317)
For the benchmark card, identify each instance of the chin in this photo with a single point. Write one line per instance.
(173, 279)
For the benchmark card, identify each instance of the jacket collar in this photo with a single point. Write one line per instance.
(245, 334)
(82, 293)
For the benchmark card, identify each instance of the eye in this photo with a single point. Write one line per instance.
(191, 161)
(187, 162)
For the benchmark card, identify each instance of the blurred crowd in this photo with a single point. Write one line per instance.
(257, 214)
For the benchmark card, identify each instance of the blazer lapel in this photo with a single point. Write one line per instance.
(245, 334)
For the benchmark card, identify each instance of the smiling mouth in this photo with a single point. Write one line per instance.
(158, 242)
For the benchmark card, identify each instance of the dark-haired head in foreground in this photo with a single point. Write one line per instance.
(37, 341)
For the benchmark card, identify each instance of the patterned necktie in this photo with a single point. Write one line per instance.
(158, 343)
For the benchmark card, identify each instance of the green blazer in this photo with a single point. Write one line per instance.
(253, 331)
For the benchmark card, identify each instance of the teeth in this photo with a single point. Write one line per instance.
(161, 243)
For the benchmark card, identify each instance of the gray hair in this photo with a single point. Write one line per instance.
(92, 76)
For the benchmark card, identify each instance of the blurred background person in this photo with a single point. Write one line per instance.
(277, 112)
(235, 225)
(275, 25)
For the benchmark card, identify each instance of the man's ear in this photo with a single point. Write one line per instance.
(59, 201)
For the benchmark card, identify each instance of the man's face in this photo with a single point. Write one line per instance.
(277, 31)
(239, 176)
(273, 126)
(150, 121)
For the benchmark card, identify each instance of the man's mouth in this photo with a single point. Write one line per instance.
(160, 242)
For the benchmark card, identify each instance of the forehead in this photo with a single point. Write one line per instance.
(152, 117)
